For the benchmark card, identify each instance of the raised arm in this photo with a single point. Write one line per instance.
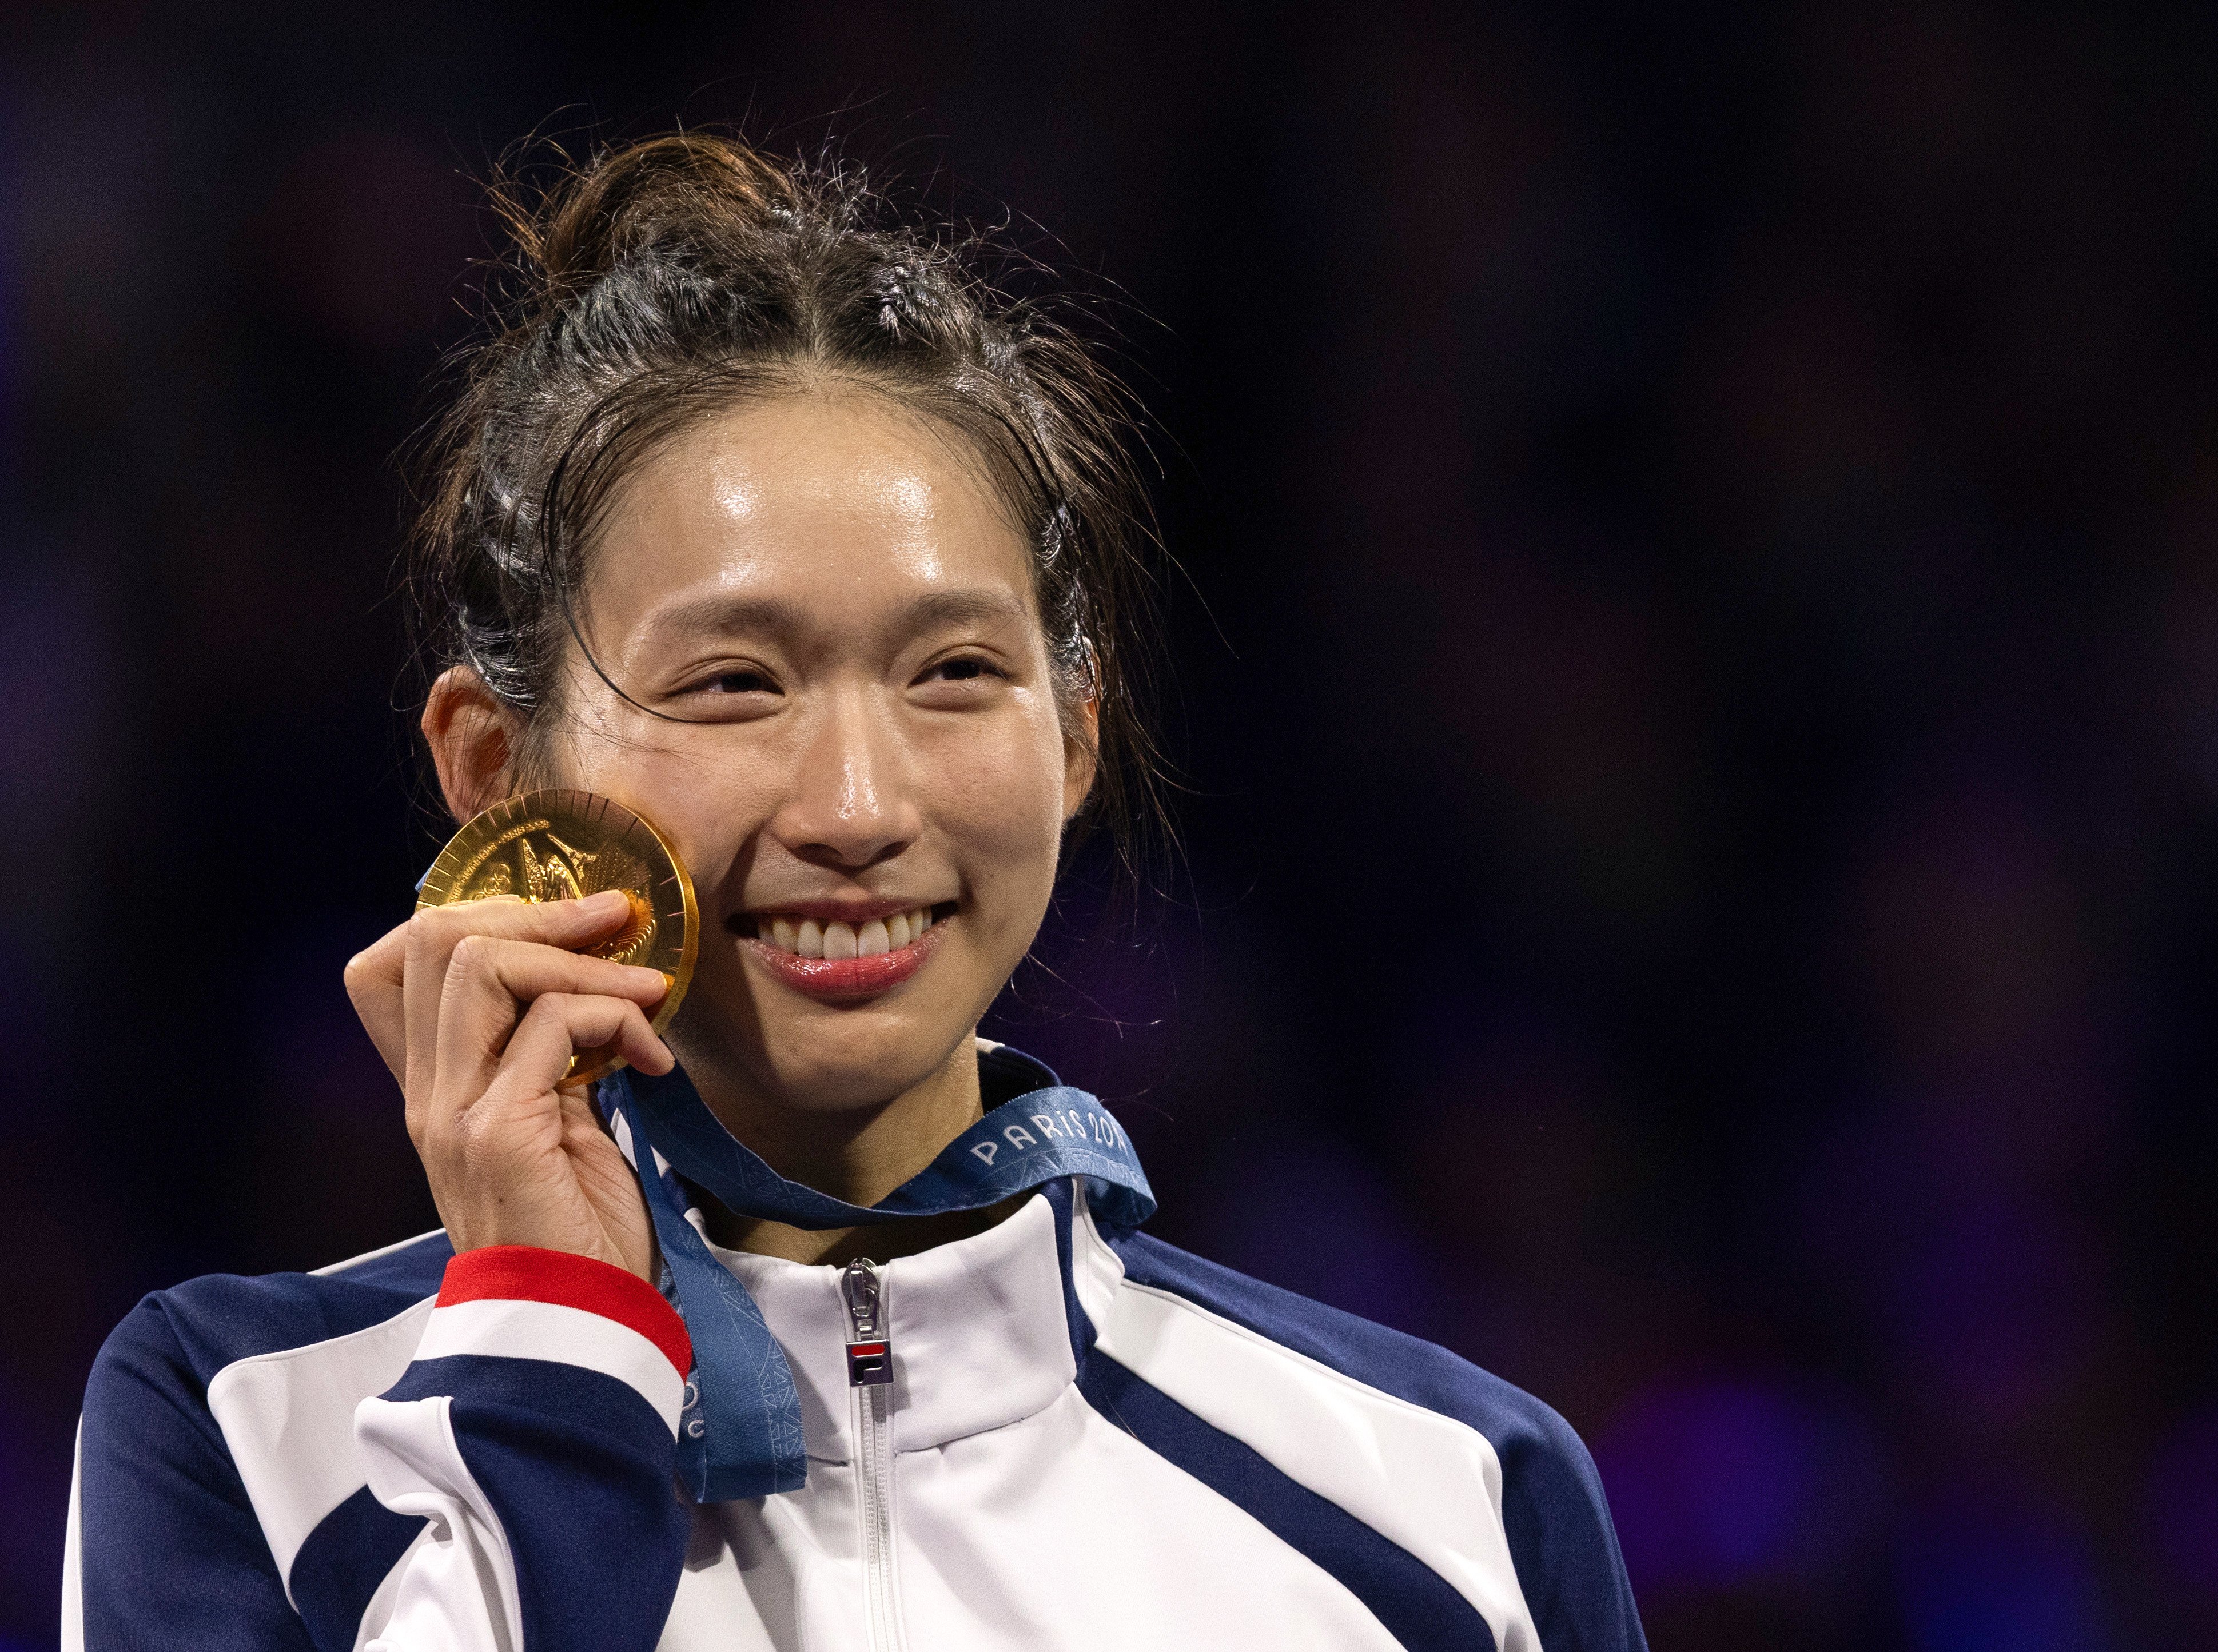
(533, 1431)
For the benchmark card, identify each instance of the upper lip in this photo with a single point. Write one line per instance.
(836, 912)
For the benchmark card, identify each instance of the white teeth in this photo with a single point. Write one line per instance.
(810, 939)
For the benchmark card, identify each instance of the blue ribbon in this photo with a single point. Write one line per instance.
(740, 1435)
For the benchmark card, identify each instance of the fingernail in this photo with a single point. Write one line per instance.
(604, 900)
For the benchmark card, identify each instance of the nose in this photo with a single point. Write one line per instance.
(852, 804)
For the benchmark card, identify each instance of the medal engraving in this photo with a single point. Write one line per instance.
(564, 845)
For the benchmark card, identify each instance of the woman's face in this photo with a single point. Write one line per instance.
(871, 780)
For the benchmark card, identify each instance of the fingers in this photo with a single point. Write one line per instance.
(488, 982)
(372, 980)
(478, 1009)
(428, 943)
(489, 1136)
(378, 979)
(557, 1026)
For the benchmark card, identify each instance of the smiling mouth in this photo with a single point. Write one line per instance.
(810, 938)
(838, 958)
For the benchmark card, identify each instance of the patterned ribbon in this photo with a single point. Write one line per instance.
(740, 1432)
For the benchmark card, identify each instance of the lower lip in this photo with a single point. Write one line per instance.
(848, 978)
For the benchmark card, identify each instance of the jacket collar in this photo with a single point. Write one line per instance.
(985, 1330)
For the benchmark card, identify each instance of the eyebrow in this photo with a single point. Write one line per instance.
(781, 616)
(963, 608)
(776, 616)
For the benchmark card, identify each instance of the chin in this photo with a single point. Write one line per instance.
(812, 1057)
(828, 1070)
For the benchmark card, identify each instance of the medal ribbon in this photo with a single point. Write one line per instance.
(740, 1435)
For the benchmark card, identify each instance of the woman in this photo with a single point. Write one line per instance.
(766, 515)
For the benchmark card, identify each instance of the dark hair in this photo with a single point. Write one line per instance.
(657, 282)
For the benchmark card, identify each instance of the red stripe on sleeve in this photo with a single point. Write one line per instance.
(526, 1273)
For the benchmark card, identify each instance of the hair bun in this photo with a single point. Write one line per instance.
(689, 188)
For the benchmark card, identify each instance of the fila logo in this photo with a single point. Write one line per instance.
(869, 1364)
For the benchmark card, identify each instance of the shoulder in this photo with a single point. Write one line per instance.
(182, 1337)
(243, 1389)
(1408, 1368)
(214, 1440)
(1486, 1486)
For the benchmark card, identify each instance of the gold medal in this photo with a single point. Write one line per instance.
(561, 845)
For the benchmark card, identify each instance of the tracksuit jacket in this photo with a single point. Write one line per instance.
(1091, 1440)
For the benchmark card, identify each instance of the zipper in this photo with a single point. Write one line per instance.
(870, 1404)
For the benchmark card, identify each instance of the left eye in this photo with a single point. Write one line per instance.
(960, 671)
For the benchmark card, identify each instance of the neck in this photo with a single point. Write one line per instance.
(858, 1154)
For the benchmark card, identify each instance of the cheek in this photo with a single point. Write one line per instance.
(1000, 801)
(706, 805)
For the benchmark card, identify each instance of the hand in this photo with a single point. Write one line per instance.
(477, 1008)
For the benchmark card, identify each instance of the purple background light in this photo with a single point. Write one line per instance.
(2002, 1581)
(1744, 1484)
(1698, 676)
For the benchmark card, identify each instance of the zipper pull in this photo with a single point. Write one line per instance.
(869, 1355)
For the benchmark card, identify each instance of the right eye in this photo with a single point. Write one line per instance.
(740, 682)
(733, 692)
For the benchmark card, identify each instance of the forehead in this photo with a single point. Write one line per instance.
(840, 502)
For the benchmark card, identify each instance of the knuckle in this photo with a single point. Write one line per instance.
(477, 1139)
(481, 958)
(377, 966)
(476, 1154)
(427, 935)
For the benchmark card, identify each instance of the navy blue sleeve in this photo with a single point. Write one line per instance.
(171, 1555)
(547, 1405)
(1561, 1537)
(546, 1392)
(583, 1477)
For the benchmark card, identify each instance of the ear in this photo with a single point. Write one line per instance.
(472, 737)
(1082, 755)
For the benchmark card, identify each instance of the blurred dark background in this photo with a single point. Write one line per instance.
(1700, 681)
